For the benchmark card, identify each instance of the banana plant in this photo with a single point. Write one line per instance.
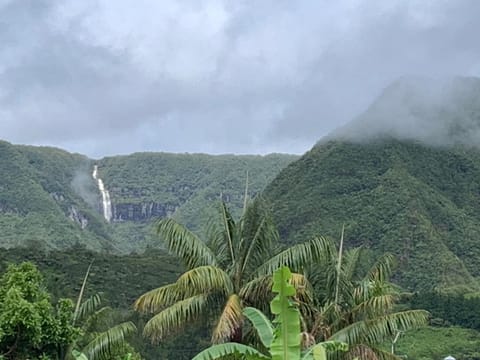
(282, 337)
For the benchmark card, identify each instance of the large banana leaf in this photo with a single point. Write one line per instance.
(286, 341)
(230, 349)
(262, 325)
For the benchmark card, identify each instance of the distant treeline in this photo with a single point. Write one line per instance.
(120, 279)
(449, 309)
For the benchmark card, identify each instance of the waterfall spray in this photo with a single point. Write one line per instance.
(106, 203)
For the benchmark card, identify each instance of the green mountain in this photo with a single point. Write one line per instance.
(39, 203)
(48, 197)
(394, 188)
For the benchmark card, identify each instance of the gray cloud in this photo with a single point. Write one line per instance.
(103, 77)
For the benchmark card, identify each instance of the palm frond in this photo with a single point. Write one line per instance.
(298, 256)
(339, 267)
(382, 269)
(87, 307)
(257, 291)
(174, 317)
(157, 299)
(385, 355)
(319, 351)
(350, 262)
(363, 352)
(204, 279)
(376, 330)
(80, 295)
(185, 244)
(230, 320)
(303, 288)
(374, 306)
(229, 229)
(105, 343)
(258, 234)
(227, 350)
(97, 317)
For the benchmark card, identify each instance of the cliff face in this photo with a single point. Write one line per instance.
(50, 197)
(148, 186)
(142, 211)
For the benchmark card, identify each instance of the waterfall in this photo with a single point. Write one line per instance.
(106, 203)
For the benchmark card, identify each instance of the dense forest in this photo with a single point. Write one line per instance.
(48, 196)
(359, 249)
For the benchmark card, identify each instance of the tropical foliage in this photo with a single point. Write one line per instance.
(417, 202)
(30, 326)
(357, 307)
(48, 196)
(103, 338)
(229, 270)
(282, 339)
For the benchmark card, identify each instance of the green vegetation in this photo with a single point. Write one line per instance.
(282, 341)
(433, 343)
(449, 309)
(417, 202)
(146, 186)
(120, 279)
(38, 201)
(356, 306)
(30, 326)
(48, 197)
(229, 270)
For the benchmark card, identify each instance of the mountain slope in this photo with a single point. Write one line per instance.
(48, 196)
(38, 203)
(395, 191)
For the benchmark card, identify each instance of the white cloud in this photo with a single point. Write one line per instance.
(101, 77)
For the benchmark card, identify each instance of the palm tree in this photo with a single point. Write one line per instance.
(357, 308)
(231, 269)
(280, 340)
(102, 337)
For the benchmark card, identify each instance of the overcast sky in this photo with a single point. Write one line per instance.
(104, 77)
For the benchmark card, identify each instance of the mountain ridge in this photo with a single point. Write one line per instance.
(49, 196)
(396, 191)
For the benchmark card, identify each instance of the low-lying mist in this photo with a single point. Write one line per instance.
(439, 112)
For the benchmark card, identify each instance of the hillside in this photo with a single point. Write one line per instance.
(49, 198)
(39, 203)
(396, 191)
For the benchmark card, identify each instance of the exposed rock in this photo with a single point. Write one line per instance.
(75, 216)
(142, 211)
(57, 197)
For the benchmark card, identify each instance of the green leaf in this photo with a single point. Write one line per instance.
(185, 244)
(174, 317)
(222, 350)
(78, 355)
(105, 343)
(298, 256)
(286, 342)
(319, 351)
(262, 325)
